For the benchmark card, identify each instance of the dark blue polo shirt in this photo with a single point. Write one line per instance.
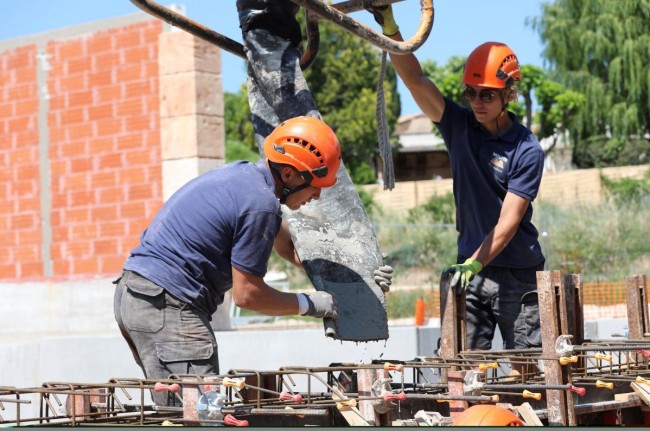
(484, 169)
(226, 217)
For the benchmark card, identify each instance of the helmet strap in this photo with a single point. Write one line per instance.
(281, 185)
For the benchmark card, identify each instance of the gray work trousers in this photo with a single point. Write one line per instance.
(166, 335)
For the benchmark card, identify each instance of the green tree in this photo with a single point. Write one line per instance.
(599, 48)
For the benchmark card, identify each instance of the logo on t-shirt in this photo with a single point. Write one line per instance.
(498, 162)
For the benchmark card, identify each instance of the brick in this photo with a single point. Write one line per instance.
(139, 192)
(76, 182)
(101, 78)
(24, 221)
(78, 146)
(70, 49)
(105, 247)
(129, 107)
(129, 72)
(141, 87)
(61, 267)
(110, 195)
(24, 253)
(108, 60)
(140, 157)
(103, 179)
(103, 213)
(81, 164)
(27, 172)
(110, 127)
(115, 229)
(138, 54)
(8, 271)
(101, 145)
(30, 270)
(101, 112)
(85, 266)
(111, 263)
(136, 175)
(78, 249)
(72, 216)
(78, 66)
(25, 107)
(80, 98)
(81, 198)
(100, 42)
(7, 109)
(71, 116)
(84, 232)
(23, 189)
(109, 93)
(108, 161)
(139, 122)
(132, 210)
(127, 38)
(27, 206)
(21, 91)
(16, 125)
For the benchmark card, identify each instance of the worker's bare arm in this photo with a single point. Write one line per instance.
(252, 293)
(283, 245)
(513, 209)
(425, 93)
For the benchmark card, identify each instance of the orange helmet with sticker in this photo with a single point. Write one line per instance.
(487, 415)
(492, 65)
(309, 145)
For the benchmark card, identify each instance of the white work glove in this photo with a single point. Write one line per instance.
(321, 304)
(384, 277)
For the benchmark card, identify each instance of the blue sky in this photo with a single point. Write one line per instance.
(460, 26)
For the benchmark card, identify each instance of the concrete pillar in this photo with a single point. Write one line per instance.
(192, 129)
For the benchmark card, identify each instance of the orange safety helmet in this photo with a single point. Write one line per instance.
(492, 65)
(309, 145)
(487, 415)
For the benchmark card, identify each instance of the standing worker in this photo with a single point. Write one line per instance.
(496, 165)
(214, 234)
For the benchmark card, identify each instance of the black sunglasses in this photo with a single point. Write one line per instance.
(486, 96)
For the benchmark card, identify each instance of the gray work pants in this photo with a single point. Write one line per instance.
(166, 336)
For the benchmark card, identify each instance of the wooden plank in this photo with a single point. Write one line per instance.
(351, 413)
(528, 415)
(548, 314)
(642, 390)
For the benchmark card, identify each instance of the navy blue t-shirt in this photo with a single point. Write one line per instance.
(484, 169)
(226, 217)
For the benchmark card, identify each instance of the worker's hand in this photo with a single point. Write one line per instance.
(463, 274)
(384, 277)
(384, 17)
(321, 304)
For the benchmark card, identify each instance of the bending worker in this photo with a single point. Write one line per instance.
(496, 165)
(214, 234)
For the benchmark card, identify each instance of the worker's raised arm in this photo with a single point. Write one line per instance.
(422, 89)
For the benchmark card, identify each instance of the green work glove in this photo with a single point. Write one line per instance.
(384, 17)
(463, 274)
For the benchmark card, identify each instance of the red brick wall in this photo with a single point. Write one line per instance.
(20, 232)
(104, 152)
